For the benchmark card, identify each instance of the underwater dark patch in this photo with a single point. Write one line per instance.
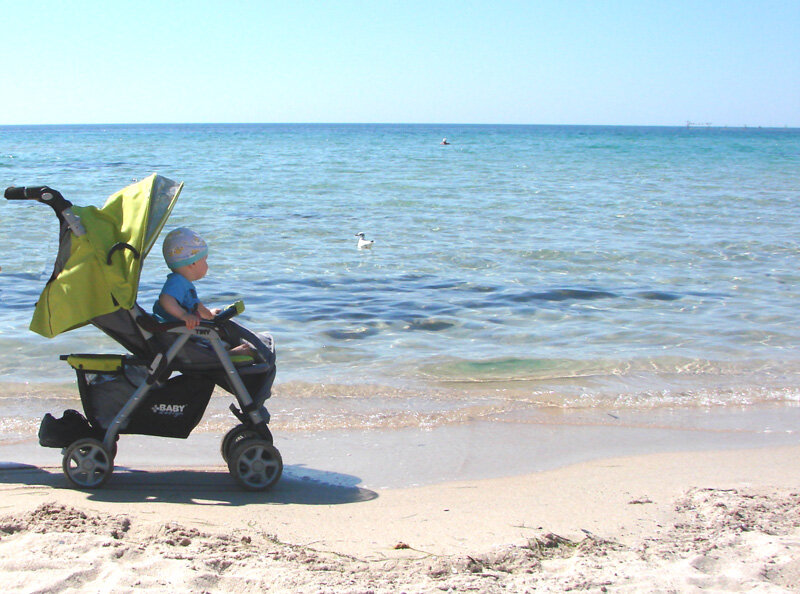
(355, 334)
(561, 295)
(429, 324)
(658, 296)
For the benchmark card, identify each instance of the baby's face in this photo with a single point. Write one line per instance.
(197, 270)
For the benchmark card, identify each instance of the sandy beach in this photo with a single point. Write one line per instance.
(668, 522)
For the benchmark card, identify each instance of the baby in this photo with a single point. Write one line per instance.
(186, 255)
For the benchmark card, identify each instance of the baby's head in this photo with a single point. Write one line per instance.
(184, 248)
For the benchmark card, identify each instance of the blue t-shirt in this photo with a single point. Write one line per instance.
(183, 291)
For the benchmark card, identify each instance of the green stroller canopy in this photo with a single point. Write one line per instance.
(98, 273)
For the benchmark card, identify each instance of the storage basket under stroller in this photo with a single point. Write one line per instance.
(172, 409)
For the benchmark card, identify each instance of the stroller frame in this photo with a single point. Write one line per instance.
(88, 459)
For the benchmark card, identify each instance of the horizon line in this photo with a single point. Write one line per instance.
(687, 124)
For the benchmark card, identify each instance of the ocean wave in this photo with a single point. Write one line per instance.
(313, 407)
(511, 369)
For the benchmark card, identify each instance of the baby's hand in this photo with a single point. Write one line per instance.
(192, 321)
(204, 312)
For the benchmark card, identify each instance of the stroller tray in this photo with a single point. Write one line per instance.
(96, 363)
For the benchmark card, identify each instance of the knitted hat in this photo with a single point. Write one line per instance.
(183, 247)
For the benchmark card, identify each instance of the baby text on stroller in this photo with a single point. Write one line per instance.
(174, 410)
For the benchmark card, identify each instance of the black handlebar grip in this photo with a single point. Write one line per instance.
(40, 193)
(43, 194)
(15, 193)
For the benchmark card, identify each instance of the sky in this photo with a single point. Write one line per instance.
(604, 62)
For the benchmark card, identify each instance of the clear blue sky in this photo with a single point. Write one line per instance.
(727, 62)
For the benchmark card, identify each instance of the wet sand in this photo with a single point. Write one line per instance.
(515, 444)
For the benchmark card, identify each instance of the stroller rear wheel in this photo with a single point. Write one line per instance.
(255, 464)
(87, 463)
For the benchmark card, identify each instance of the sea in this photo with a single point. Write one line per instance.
(517, 273)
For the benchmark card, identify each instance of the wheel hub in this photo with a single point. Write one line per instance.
(255, 463)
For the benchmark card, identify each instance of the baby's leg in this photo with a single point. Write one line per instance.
(243, 349)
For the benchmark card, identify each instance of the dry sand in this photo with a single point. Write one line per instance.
(708, 521)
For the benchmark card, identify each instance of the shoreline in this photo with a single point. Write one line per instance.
(726, 520)
(506, 445)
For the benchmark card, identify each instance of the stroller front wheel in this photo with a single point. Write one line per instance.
(233, 438)
(87, 463)
(255, 464)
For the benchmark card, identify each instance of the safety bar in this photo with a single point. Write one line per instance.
(154, 327)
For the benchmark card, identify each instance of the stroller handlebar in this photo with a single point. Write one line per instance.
(42, 194)
(13, 193)
(47, 195)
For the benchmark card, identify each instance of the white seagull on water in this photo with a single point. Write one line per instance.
(364, 244)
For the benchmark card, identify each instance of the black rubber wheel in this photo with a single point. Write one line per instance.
(87, 463)
(233, 438)
(255, 464)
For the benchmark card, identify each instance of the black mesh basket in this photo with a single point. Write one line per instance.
(170, 409)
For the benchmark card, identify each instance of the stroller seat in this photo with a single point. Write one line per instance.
(148, 339)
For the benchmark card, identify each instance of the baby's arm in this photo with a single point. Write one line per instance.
(205, 313)
(173, 308)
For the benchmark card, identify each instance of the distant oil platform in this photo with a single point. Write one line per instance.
(710, 125)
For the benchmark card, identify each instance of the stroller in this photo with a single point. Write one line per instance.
(163, 386)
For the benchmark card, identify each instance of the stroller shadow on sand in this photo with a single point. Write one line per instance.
(206, 486)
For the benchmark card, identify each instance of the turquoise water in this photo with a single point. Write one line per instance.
(518, 266)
